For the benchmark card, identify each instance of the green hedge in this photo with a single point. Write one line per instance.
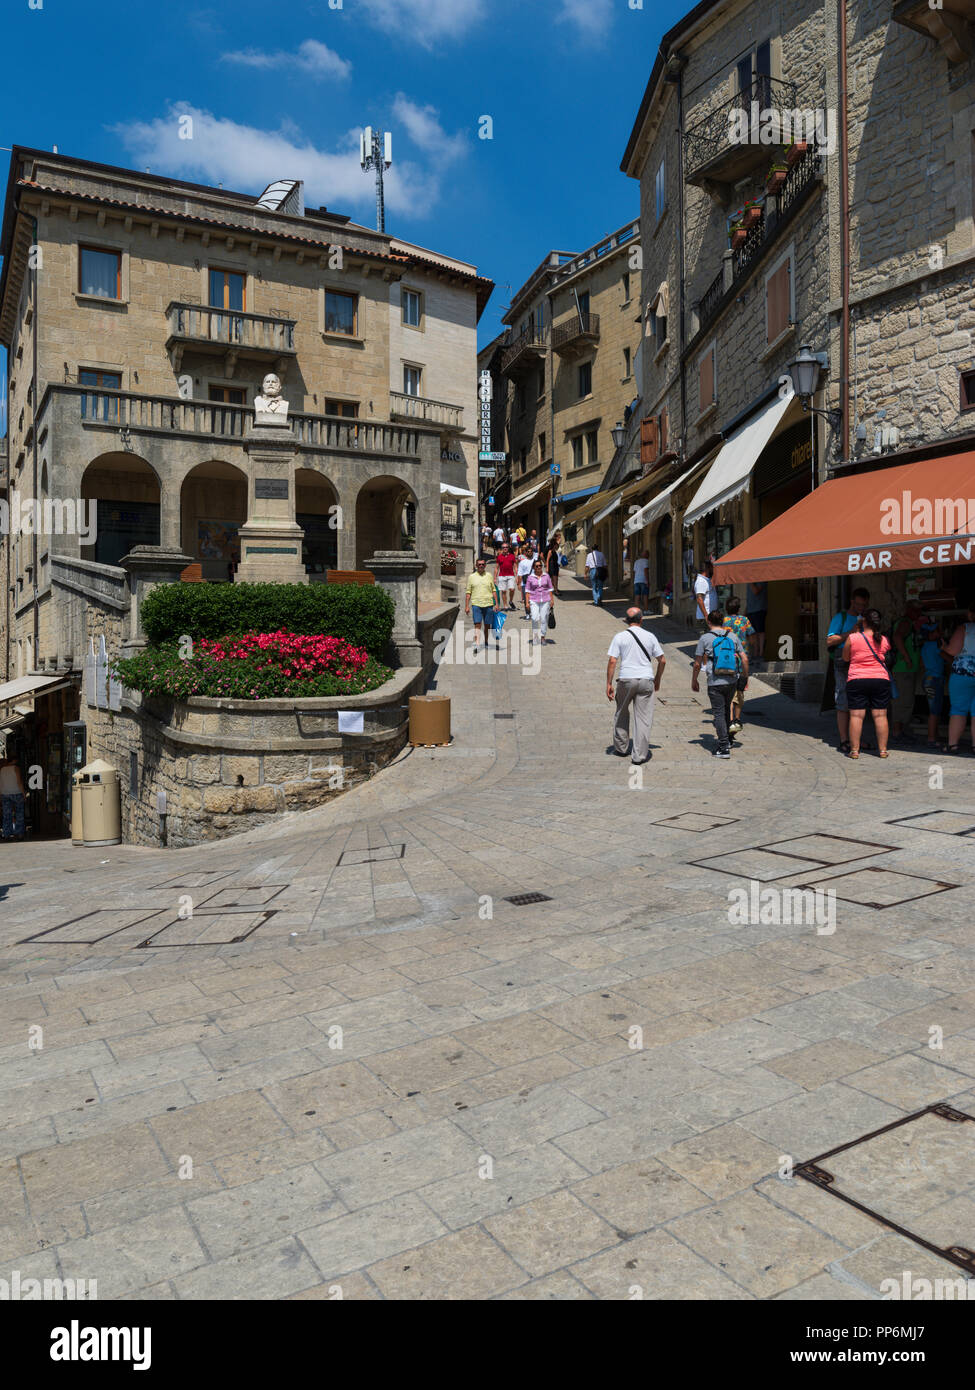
(360, 613)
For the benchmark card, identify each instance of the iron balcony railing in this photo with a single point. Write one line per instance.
(199, 323)
(127, 411)
(427, 412)
(710, 299)
(579, 326)
(529, 344)
(710, 138)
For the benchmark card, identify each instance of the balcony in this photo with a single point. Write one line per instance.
(713, 159)
(126, 413)
(576, 336)
(228, 334)
(426, 412)
(526, 351)
(951, 23)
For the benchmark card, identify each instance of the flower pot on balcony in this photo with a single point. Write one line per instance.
(751, 216)
(737, 236)
(795, 152)
(775, 180)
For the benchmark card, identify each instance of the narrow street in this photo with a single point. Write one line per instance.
(402, 1083)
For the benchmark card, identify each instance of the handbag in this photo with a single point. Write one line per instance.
(551, 619)
(882, 661)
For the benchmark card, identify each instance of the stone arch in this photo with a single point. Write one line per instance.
(318, 513)
(212, 509)
(385, 512)
(123, 494)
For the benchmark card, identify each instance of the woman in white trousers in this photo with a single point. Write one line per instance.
(538, 589)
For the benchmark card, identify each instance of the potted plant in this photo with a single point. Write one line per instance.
(737, 232)
(795, 152)
(751, 214)
(776, 177)
(448, 562)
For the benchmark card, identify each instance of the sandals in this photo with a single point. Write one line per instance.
(845, 746)
(853, 753)
(883, 755)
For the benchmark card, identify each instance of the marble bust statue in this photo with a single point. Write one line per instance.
(270, 407)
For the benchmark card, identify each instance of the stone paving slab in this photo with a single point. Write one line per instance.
(404, 1086)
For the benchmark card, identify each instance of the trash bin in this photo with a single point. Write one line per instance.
(581, 552)
(101, 807)
(77, 834)
(429, 720)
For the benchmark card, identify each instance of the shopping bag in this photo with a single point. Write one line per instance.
(499, 619)
(551, 618)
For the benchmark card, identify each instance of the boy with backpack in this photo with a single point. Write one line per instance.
(724, 656)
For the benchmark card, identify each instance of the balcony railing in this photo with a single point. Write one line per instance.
(127, 411)
(528, 348)
(713, 155)
(426, 412)
(227, 330)
(576, 334)
(707, 308)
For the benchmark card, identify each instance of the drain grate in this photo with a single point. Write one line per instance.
(504, 716)
(918, 1169)
(526, 899)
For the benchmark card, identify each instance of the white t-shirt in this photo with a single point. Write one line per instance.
(595, 558)
(499, 536)
(641, 571)
(703, 585)
(524, 566)
(633, 663)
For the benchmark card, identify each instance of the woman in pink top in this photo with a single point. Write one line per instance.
(540, 595)
(868, 680)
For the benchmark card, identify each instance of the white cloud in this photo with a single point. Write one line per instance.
(243, 157)
(591, 17)
(424, 130)
(312, 57)
(424, 21)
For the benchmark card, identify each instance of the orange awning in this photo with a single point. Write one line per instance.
(915, 516)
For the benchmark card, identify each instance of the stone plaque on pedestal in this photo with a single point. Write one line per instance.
(270, 538)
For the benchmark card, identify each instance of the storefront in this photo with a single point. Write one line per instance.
(783, 475)
(36, 713)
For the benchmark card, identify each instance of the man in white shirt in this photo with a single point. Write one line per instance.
(634, 652)
(596, 573)
(499, 537)
(705, 594)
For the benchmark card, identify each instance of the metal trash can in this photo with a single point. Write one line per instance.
(581, 552)
(101, 806)
(429, 721)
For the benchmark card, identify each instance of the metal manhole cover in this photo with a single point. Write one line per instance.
(940, 822)
(525, 899)
(253, 897)
(828, 849)
(202, 879)
(880, 888)
(91, 927)
(696, 822)
(915, 1176)
(207, 929)
(370, 856)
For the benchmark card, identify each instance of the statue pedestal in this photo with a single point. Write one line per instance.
(270, 539)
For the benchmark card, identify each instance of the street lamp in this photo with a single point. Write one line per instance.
(619, 434)
(804, 372)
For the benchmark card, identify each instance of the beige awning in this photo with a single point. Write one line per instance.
(587, 509)
(656, 507)
(661, 299)
(29, 685)
(524, 497)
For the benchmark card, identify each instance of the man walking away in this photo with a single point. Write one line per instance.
(504, 575)
(499, 538)
(634, 652)
(721, 652)
(705, 594)
(596, 573)
(641, 580)
(481, 596)
(744, 631)
(756, 611)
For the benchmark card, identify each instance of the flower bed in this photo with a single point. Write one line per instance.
(255, 666)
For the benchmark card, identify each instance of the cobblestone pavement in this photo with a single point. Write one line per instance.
(581, 1098)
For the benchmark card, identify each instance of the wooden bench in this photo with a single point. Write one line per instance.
(349, 577)
(193, 574)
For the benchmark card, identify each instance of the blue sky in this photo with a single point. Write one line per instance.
(283, 90)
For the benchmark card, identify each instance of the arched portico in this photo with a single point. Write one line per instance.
(123, 496)
(385, 518)
(213, 507)
(318, 513)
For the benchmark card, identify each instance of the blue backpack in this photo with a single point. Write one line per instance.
(724, 658)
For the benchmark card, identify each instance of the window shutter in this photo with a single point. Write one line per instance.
(648, 440)
(706, 380)
(777, 299)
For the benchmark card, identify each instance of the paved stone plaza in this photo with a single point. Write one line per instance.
(491, 1126)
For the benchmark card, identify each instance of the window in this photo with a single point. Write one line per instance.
(778, 299)
(536, 321)
(524, 460)
(349, 410)
(626, 287)
(585, 379)
(592, 446)
(541, 384)
(96, 406)
(658, 329)
(707, 379)
(227, 290)
(754, 74)
(412, 309)
(577, 451)
(412, 381)
(584, 302)
(341, 314)
(100, 273)
(626, 363)
(228, 395)
(660, 189)
(520, 398)
(967, 391)
(542, 453)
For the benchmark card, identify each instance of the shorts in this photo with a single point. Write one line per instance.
(506, 582)
(934, 691)
(641, 590)
(868, 694)
(961, 693)
(757, 620)
(482, 615)
(840, 669)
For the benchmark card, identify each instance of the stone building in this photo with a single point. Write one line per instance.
(572, 363)
(806, 177)
(141, 316)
